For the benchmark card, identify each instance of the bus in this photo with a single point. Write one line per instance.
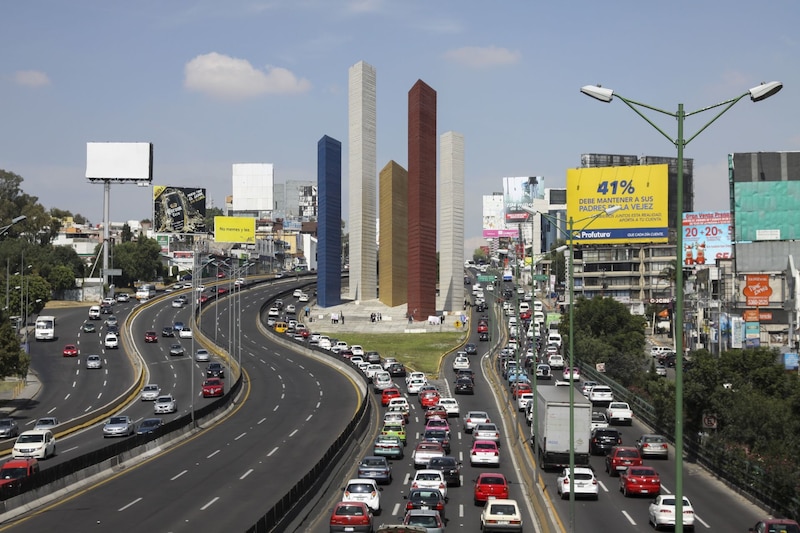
(45, 329)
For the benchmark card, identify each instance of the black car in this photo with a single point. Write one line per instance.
(450, 467)
(603, 439)
(471, 349)
(465, 385)
(215, 370)
(438, 435)
(466, 373)
(377, 468)
(149, 425)
(167, 331)
(430, 498)
(112, 328)
(483, 337)
(397, 370)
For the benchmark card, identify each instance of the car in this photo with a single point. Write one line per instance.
(661, 511)
(178, 325)
(621, 458)
(483, 337)
(123, 297)
(415, 385)
(501, 515)
(371, 356)
(400, 403)
(150, 336)
(37, 443)
(290, 309)
(425, 499)
(416, 375)
(176, 349)
(178, 303)
(435, 411)
(484, 452)
(165, 404)
(111, 342)
(118, 426)
(94, 362)
(461, 361)
(375, 467)
(113, 328)
(396, 430)
(471, 348)
(150, 392)
(489, 485)
(473, 418)
(601, 394)
(437, 422)
(651, 445)
(572, 374)
(523, 400)
(543, 371)
(111, 321)
(556, 361)
(303, 297)
(425, 451)
(365, 491)
(450, 467)
(201, 355)
(619, 413)
(388, 394)
(371, 369)
(440, 435)
(105, 309)
(585, 483)
(599, 420)
(389, 446)
(89, 327)
(518, 389)
(167, 331)
(464, 386)
(213, 387)
(587, 386)
(430, 479)
(450, 405)
(394, 417)
(430, 519)
(640, 480)
(185, 333)
(70, 350)
(215, 370)
(486, 431)
(465, 373)
(429, 399)
(351, 516)
(8, 428)
(601, 440)
(14, 471)
(775, 525)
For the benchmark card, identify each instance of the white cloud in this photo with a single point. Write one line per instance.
(31, 78)
(229, 78)
(477, 57)
(365, 6)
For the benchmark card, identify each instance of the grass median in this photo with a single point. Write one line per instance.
(420, 352)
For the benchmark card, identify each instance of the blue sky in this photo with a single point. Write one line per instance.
(212, 83)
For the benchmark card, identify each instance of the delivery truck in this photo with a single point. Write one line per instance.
(550, 432)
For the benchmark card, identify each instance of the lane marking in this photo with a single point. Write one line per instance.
(292, 434)
(246, 474)
(176, 476)
(275, 449)
(630, 519)
(134, 502)
(240, 436)
(209, 504)
(212, 454)
(309, 417)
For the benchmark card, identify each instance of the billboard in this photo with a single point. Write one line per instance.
(640, 191)
(235, 229)
(707, 237)
(179, 210)
(493, 218)
(519, 193)
(119, 161)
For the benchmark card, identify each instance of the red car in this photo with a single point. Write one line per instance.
(490, 486)
(70, 350)
(351, 516)
(429, 399)
(435, 411)
(518, 388)
(388, 394)
(639, 480)
(622, 458)
(150, 336)
(221, 290)
(525, 315)
(483, 328)
(213, 387)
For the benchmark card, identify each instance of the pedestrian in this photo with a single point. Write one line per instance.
(380, 317)
(341, 316)
(372, 317)
(410, 318)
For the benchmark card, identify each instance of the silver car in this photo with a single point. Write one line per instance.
(165, 404)
(202, 355)
(47, 422)
(176, 349)
(150, 392)
(94, 361)
(8, 428)
(118, 426)
(473, 418)
(486, 431)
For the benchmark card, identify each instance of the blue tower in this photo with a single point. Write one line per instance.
(329, 226)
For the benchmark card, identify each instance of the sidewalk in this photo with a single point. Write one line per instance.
(19, 397)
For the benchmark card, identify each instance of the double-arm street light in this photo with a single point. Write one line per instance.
(4, 229)
(756, 94)
(570, 235)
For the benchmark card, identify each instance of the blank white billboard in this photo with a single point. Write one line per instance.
(119, 161)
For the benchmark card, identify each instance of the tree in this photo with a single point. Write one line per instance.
(140, 260)
(13, 361)
(212, 212)
(126, 235)
(479, 255)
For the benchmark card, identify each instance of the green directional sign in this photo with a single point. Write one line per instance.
(488, 279)
(540, 277)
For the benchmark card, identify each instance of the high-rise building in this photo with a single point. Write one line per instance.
(393, 235)
(363, 181)
(421, 201)
(329, 229)
(451, 223)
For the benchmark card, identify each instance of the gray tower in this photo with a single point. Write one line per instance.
(451, 223)
(363, 180)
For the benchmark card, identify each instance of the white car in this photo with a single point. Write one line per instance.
(451, 406)
(461, 362)
(290, 309)
(202, 355)
(585, 483)
(324, 342)
(48, 422)
(484, 452)
(415, 375)
(302, 298)
(371, 369)
(599, 420)
(415, 385)
(94, 362)
(363, 490)
(430, 479)
(111, 341)
(619, 413)
(523, 400)
(556, 361)
(165, 404)
(339, 346)
(177, 304)
(662, 511)
(382, 380)
(297, 293)
(399, 403)
(572, 374)
(185, 333)
(39, 443)
(150, 392)
(357, 349)
(601, 394)
(502, 515)
(587, 386)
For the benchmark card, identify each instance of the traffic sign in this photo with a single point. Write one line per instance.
(540, 277)
(488, 279)
(458, 324)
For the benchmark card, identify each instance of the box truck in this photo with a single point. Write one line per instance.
(550, 432)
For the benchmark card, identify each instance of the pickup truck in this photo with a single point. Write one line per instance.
(619, 413)
(16, 469)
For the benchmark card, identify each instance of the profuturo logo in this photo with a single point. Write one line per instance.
(588, 234)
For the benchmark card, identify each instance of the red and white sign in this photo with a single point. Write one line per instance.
(757, 290)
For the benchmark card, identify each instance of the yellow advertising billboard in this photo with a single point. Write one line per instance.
(235, 229)
(640, 191)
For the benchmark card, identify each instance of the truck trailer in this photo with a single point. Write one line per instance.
(550, 431)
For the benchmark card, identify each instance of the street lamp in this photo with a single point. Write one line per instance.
(570, 235)
(4, 229)
(756, 94)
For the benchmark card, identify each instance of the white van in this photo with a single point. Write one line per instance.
(524, 307)
(554, 338)
(537, 306)
(94, 312)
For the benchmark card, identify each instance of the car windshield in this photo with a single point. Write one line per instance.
(627, 453)
(492, 480)
(150, 423)
(5, 422)
(117, 420)
(350, 510)
(484, 446)
(641, 472)
(30, 438)
(428, 476)
(442, 461)
(13, 473)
